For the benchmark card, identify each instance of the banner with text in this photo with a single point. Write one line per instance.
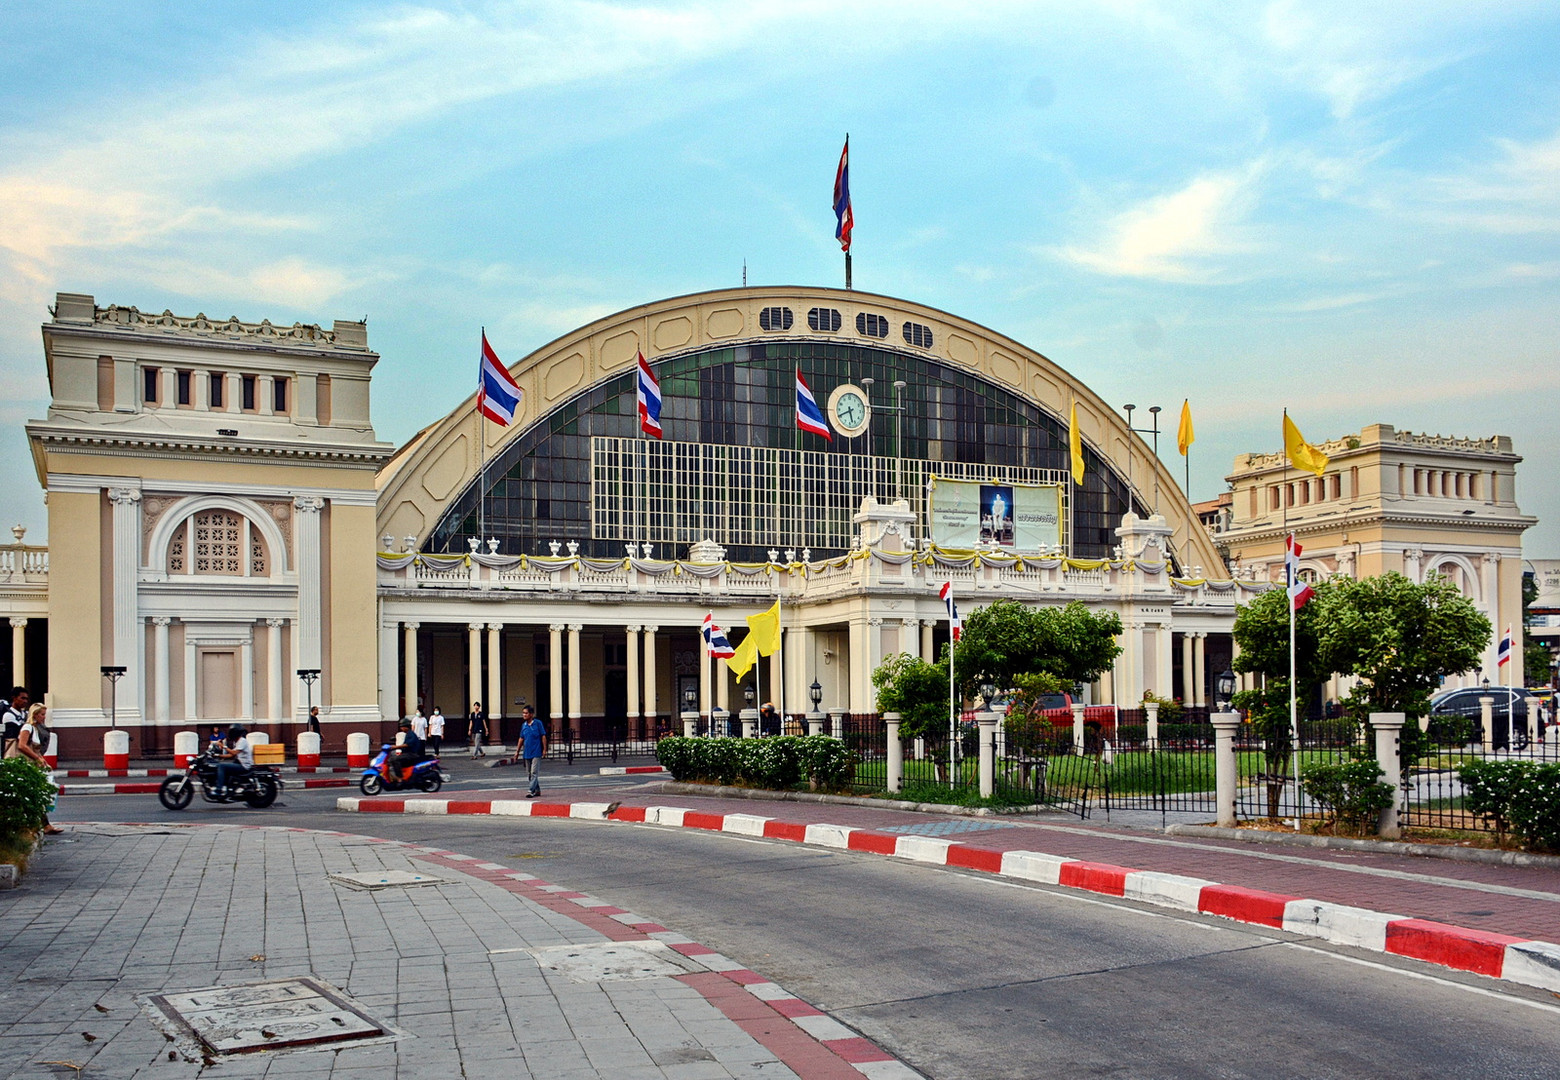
(1020, 517)
(1546, 575)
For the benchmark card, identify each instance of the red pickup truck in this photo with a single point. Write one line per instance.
(1057, 708)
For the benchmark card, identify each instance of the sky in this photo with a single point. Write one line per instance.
(1349, 210)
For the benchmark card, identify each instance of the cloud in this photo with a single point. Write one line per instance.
(1170, 237)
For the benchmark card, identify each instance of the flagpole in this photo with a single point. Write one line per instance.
(1294, 717)
(953, 705)
(482, 452)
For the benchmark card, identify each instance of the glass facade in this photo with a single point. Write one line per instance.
(544, 485)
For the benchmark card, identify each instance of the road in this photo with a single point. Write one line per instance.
(967, 977)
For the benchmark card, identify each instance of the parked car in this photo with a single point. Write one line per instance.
(1509, 712)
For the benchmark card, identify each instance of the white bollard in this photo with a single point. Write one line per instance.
(1226, 773)
(308, 751)
(186, 745)
(116, 750)
(988, 753)
(358, 743)
(258, 738)
(52, 754)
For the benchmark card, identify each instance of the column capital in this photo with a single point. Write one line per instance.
(632, 629)
(575, 628)
(17, 622)
(874, 621)
(410, 625)
(1491, 558)
(908, 623)
(161, 620)
(274, 623)
(649, 629)
(474, 627)
(494, 627)
(556, 628)
(121, 496)
(309, 504)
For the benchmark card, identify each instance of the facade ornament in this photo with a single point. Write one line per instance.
(411, 543)
(574, 548)
(646, 548)
(309, 504)
(774, 555)
(121, 496)
(473, 543)
(554, 545)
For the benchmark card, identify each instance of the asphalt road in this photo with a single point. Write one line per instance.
(970, 978)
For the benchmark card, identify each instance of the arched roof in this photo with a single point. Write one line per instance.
(440, 461)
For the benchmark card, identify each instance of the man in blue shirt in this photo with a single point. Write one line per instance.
(532, 748)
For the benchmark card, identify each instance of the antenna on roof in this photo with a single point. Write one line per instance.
(744, 273)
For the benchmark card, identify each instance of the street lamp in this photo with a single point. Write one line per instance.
(815, 692)
(1224, 689)
(308, 675)
(749, 695)
(988, 693)
(113, 673)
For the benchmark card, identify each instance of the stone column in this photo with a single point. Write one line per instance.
(18, 652)
(775, 685)
(1188, 694)
(650, 674)
(988, 753)
(162, 703)
(307, 522)
(127, 623)
(632, 678)
(1200, 668)
(246, 678)
(493, 704)
(555, 679)
(927, 647)
(575, 694)
(409, 687)
(273, 682)
(1487, 723)
(874, 658)
(722, 686)
(1225, 773)
(1389, 727)
(474, 662)
(896, 750)
(855, 696)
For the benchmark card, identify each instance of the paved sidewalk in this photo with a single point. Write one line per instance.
(487, 973)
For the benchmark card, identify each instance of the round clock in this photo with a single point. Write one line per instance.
(849, 410)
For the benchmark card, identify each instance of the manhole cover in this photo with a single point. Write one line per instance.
(369, 881)
(615, 961)
(277, 1015)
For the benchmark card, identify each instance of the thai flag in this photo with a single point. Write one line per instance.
(715, 639)
(1299, 591)
(846, 221)
(946, 595)
(498, 395)
(1503, 654)
(649, 400)
(808, 416)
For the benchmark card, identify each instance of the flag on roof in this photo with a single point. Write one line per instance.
(1299, 591)
(1503, 654)
(1302, 455)
(715, 639)
(649, 399)
(946, 595)
(1075, 445)
(808, 416)
(498, 395)
(845, 220)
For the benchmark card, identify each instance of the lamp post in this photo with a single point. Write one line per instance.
(113, 673)
(1223, 690)
(815, 692)
(308, 675)
(690, 699)
(1154, 410)
(749, 695)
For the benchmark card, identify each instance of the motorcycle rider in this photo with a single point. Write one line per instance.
(237, 758)
(406, 756)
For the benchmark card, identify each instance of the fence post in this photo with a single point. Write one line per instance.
(749, 718)
(1225, 773)
(988, 753)
(815, 723)
(1487, 723)
(837, 723)
(690, 721)
(896, 752)
(1077, 711)
(1152, 708)
(1389, 727)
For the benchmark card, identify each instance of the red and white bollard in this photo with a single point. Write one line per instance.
(308, 751)
(357, 750)
(186, 745)
(258, 738)
(116, 751)
(52, 754)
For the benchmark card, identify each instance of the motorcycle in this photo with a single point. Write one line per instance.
(258, 787)
(379, 776)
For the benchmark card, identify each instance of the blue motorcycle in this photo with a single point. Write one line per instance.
(381, 776)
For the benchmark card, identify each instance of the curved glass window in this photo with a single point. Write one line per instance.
(583, 472)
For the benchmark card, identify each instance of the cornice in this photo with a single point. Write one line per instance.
(59, 440)
(1517, 524)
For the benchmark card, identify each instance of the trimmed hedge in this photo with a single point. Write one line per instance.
(1520, 794)
(1352, 790)
(778, 762)
(26, 796)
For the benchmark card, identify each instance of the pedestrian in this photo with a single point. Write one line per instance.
(420, 723)
(31, 741)
(476, 729)
(768, 719)
(435, 731)
(314, 719)
(15, 716)
(532, 747)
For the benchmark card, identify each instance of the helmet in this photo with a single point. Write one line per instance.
(406, 722)
(237, 731)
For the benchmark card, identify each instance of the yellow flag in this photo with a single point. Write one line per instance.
(1185, 436)
(1302, 455)
(742, 659)
(1075, 444)
(764, 629)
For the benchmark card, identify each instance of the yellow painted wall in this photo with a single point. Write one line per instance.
(75, 600)
(353, 645)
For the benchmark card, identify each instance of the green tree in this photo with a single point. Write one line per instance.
(1008, 639)
(918, 692)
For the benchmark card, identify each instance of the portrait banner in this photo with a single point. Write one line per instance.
(1017, 517)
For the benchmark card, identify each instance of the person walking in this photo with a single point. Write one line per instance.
(436, 731)
(420, 723)
(314, 719)
(14, 717)
(476, 728)
(532, 747)
(31, 741)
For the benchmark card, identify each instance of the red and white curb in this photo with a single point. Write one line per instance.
(806, 1040)
(151, 788)
(630, 770)
(1500, 956)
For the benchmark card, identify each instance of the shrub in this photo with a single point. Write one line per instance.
(676, 755)
(1352, 790)
(26, 795)
(1518, 794)
(778, 762)
(1452, 730)
(720, 759)
(1169, 709)
(1490, 789)
(828, 763)
(773, 762)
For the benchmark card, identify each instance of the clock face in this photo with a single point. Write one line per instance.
(849, 410)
